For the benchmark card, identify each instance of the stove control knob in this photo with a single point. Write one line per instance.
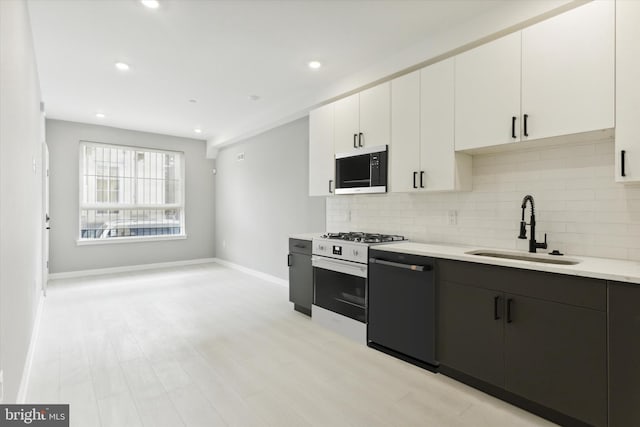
(355, 252)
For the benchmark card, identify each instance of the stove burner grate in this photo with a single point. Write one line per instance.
(354, 236)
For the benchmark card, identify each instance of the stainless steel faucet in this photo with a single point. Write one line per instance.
(533, 245)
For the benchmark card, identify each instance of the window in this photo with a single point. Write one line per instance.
(130, 193)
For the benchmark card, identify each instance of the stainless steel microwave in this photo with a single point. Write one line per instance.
(362, 171)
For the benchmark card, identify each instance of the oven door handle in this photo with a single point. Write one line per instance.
(346, 267)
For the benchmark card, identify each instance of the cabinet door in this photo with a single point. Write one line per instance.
(442, 168)
(347, 113)
(555, 355)
(627, 90)
(375, 115)
(471, 332)
(624, 354)
(404, 156)
(488, 94)
(301, 281)
(321, 154)
(568, 72)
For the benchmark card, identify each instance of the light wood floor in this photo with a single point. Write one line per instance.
(206, 346)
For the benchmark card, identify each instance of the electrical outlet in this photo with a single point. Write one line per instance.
(452, 217)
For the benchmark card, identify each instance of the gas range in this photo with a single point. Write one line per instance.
(350, 246)
(340, 277)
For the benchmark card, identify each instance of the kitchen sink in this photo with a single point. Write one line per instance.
(524, 256)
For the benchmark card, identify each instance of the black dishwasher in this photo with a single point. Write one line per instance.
(402, 311)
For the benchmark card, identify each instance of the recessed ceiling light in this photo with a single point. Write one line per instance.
(197, 130)
(122, 66)
(315, 65)
(100, 115)
(151, 4)
(253, 97)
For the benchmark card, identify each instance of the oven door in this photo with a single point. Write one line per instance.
(340, 286)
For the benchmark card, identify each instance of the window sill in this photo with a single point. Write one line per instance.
(116, 240)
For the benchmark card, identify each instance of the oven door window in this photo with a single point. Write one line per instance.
(341, 293)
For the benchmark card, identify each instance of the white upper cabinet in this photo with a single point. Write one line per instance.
(375, 115)
(404, 155)
(551, 79)
(422, 156)
(568, 72)
(321, 151)
(487, 99)
(442, 168)
(347, 123)
(363, 119)
(627, 91)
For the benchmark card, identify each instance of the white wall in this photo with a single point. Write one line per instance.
(20, 192)
(578, 204)
(65, 255)
(263, 199)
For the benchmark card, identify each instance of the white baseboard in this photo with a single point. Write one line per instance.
(26, 372)
(127, 268)
(256, 273)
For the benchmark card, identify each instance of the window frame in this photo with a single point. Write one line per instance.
(181, 205)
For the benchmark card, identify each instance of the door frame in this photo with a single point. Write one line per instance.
(45, 217)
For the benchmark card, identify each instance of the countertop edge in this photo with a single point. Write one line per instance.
(596, 268)
(306, 236)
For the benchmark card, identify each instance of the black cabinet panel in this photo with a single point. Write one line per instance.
(540, 337)
(300, 275)
(624, 354)
(574, 290)
(555, 355)
(470, 338)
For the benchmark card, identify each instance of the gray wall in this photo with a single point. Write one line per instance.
(264, 198)
(65, 255)
(20, 192)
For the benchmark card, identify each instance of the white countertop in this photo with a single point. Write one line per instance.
(599, 268)
(306, 236)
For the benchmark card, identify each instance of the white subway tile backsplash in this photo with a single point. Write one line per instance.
(578, 204)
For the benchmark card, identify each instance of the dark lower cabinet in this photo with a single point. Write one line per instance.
(300, 275)
(470, 338)
(555, 355)
(537, 339)
(624, 354)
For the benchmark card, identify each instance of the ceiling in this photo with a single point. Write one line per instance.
(217, 53)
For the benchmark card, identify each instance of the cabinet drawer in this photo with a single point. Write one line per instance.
(566, 289)
(300, 246)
